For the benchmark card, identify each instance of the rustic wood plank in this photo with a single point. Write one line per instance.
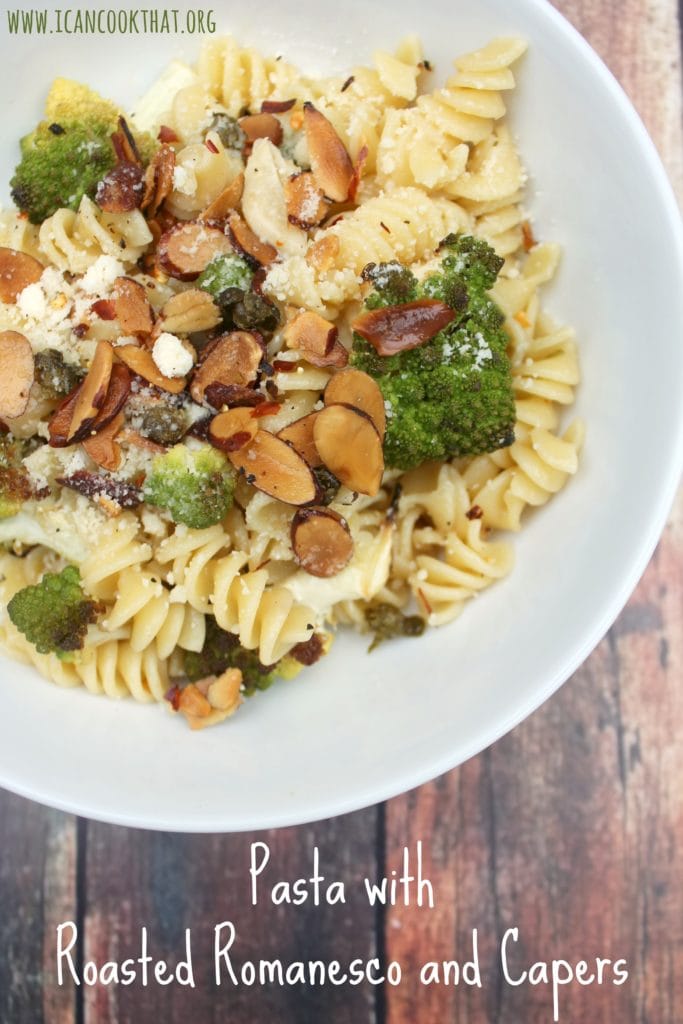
(172, 882)
(37, 892)
(568, 828)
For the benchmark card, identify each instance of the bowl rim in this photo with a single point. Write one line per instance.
(408, 778)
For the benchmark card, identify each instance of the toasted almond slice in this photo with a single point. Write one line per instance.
(233, 396)
(306, 204)
(310, 334)
(137, 440)
(231, 430)
(158, 180)
(350, 447)
(233, 359)
(92, 393)
(277, 106)
(226, 202)
(261, 126)
(103, 448)
(322, 254)
(321, 541)
(17, 271)
(122, 189)
(140, 361)
(399, 328)
(193, 703)
(60, 421)
(133, 310)
(331, 164)
(276, 469)
(16, 378)
(359, 390)
(187, 249)
(189, 312)
(105, 309)
(117, 393)
(248, 243)
(300, 435)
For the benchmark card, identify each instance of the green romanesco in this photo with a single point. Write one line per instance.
(195, 485)
(223, 650)
(69, 152)
(452, 396)
(226, 271)
(15, 485)
(54, 614)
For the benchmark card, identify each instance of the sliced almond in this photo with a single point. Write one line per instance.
(137, 440)
(192, 702)
(276, 469)
(234, 396)
(16, 378)
(300, 435)
(92, 393)
(60, 421)
(122, 189)
(133, 309)
(261, 126)
(224, 691)
(358, 169)
(103, 448)
(321, 541)
(322, 254)
(310, 334)
(234, 359)
(232, 430)
(158, 180)
(117, 393)
(188, 248)
(306, 203)
(17, 271)
(350, 447)
(189, 312)
(330, 161)
(399, 328)
(359, 390)
(226, 202)
(277, 106)
(140, 361)
(248, 243)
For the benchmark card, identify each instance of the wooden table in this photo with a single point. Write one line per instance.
(568, 828)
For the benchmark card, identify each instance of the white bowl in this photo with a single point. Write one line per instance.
(359, 728)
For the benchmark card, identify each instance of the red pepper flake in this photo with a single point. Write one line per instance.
(528, 236)
(476, 512)
(425, 602)
(266, 409)
(167, 134)
(211, 146)
(284, 366)
(80, 330)
(384, 227)
(348, 83)
(173, 697)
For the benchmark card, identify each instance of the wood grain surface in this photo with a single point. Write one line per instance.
(567, 829)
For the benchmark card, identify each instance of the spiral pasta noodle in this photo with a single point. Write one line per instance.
(73, 241)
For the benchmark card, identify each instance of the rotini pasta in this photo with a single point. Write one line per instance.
(304, 379)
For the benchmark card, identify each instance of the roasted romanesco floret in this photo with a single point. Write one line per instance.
(15, 485)
(226, 271)
(223, 650)
(195, 484)
(68, 153)
(54, 614)
(451, 396)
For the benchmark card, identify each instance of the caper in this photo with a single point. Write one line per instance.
(254, 313)
(54, 375)
(228, 131)
(163, 424)
(327, 484)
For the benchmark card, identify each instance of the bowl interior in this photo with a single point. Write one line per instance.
(360, 728)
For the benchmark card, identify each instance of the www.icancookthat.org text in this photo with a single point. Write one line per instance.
(109, 21)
